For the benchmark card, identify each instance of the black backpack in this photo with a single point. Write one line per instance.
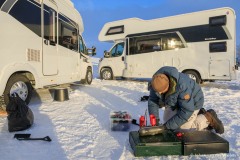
(20, 116)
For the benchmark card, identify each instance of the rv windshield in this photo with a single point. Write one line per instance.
(117, 50)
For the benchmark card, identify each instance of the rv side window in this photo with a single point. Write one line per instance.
(82, 47)
(218, 47)
(218, 21)
(1, 3)
(117, 50)
(21, 11)
(68, 37)
(152, 43)
(50, 24)
(171, 41)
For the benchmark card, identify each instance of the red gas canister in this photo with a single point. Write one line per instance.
(153, 120)
(142, 121)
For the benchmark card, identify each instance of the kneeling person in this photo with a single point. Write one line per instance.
(183, 100)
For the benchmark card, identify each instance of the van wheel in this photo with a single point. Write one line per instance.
(89, 77)
(106, 74)
(193, 75)
(18, 84)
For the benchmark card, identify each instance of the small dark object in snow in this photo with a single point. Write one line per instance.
(61, 94)
(24, 135)
(20, 116)
(144, 98)
(120, 121)
(27, 137)
(134, 121)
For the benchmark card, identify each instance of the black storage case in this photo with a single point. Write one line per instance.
(204, 142)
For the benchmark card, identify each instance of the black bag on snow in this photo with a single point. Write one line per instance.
(20, 116)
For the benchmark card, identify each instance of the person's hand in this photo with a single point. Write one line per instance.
(150, 131)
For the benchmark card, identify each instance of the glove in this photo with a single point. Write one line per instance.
(151, 131)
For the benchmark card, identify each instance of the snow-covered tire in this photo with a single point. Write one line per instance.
(19, 84)
(89, 77)
(106, 74)
(194, 75)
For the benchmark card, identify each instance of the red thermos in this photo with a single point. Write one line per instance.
(142, 121)
(153, 120)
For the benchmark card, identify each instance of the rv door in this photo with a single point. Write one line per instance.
(49, 25)
(139, 59)
(220, 63)
(115, 59)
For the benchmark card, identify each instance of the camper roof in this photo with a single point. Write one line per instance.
(118, 30)
(66, 7)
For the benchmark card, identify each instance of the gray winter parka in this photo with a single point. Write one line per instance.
(184, 94)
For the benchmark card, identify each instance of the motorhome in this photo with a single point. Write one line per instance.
(41, 45)
(201, 44)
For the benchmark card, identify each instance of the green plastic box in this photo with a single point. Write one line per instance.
(158, 145)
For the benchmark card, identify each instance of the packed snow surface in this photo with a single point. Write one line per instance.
(80, 127)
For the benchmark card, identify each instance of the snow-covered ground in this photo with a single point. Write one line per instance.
(80, 127)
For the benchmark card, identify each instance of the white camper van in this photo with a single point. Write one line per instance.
(200, 44)
(40, 45)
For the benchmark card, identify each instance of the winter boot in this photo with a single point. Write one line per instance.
(202, 111)
(214, 121)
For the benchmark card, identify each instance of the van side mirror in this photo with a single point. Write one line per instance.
(92, 51)
(106, 54)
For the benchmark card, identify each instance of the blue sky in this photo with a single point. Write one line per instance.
(96, 13)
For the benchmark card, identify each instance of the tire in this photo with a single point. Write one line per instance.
(18, 84)
(89, 77)
(194, 75)
(106, 74)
